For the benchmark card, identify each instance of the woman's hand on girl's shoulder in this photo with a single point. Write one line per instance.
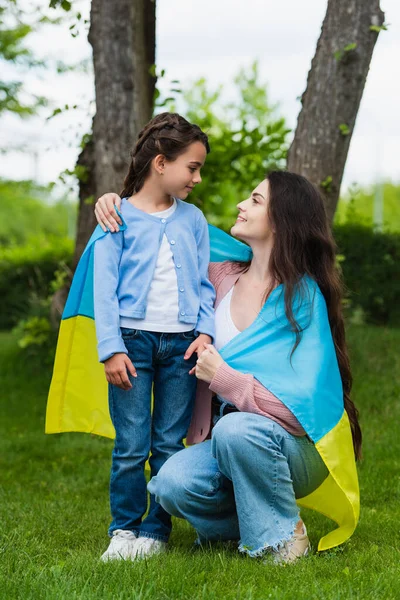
(105, 212)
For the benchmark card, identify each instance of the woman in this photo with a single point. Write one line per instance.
(279, 376)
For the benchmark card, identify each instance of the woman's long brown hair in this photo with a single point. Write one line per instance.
(304, 245)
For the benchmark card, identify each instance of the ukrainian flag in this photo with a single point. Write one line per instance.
(308, 381)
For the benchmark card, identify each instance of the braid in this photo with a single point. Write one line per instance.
(168, 134)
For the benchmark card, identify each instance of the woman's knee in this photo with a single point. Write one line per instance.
(234, 429)
(168, 485)
(238, 432)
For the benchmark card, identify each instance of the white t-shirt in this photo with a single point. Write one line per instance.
(162, 300)
(225, 328)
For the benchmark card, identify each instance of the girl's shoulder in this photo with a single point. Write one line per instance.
(187, 208)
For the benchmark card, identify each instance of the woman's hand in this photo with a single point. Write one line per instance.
(105, 212)
(207, 364)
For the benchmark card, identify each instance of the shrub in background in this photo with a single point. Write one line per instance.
(356, 205)
(26, 275)
(27, 209)
(370, 263)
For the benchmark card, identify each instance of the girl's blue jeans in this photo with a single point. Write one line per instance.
(243, 483)
(140, 432)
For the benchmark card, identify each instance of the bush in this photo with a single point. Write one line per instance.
(26, 208)
(26, 275)
(370, 264)
(357, 206)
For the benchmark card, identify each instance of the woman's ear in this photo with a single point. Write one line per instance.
(159, 164)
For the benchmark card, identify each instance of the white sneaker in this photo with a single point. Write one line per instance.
(290, 551)
(122, 546)
(146, 546)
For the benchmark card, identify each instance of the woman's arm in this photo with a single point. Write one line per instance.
(105, 212)
(249, 395)
(244, 391)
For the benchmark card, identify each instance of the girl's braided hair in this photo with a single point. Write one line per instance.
(168, 134)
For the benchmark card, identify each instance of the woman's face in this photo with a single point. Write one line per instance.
(252, 223)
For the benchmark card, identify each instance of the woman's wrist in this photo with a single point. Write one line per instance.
(222, 378)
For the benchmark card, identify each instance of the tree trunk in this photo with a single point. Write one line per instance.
(122, 35)
(334, 89)
(87, 190)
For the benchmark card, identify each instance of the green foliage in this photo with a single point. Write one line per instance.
(379, 28)
(344, 129)
(64, 4)
(248, 138)
(14, 49)
(33, 333)
(340, 54)
(18, 21)
(60, 110)
(28, 210)
(326, 184)
(357, 206)
(370, 265)
(26, 277)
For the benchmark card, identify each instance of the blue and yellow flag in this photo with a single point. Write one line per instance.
(308, 381)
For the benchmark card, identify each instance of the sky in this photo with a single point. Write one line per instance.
(213, 40)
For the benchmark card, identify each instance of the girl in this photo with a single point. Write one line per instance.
(153, 307)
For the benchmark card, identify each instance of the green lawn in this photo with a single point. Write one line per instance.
(54, 506)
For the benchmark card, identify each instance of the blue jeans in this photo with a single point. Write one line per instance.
(161, 368)
(243, 483)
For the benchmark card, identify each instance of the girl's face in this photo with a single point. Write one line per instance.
(181, 175)
(252, 223)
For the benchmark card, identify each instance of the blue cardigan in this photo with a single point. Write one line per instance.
(124, 264)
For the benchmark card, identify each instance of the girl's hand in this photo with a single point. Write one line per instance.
(207, 364)
(105, 212)
(198, 345)
(116, 368)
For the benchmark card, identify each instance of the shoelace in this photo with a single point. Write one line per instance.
(127, 535)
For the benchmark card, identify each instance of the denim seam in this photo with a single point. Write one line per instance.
(153, 536)
(213, 484)
(111, 403)
(283, 539)
(272, 502)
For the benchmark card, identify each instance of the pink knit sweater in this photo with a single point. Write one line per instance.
(244, 391)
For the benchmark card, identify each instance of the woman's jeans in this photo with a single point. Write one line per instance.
(243, 483)
(158, 358)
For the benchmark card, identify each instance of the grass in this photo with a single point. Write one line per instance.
(54, 509)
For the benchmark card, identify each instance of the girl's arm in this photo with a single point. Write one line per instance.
(105, 212)
(107, 254)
